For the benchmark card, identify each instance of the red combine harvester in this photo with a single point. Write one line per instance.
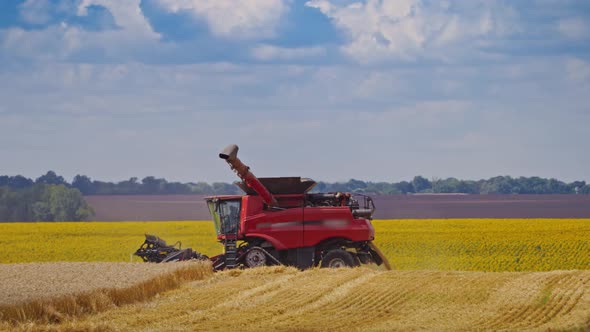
(278, 222)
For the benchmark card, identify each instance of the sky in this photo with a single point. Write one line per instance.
(376, 90)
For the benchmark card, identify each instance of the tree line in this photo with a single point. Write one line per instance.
(418, 185)
(494, 185)
(43, 202)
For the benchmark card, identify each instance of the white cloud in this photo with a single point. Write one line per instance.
(405, 110)
(270, 52)
(127, 14)
(385, 30)
(234, 19)
(59, 41)
(574, 28)
(35, 11)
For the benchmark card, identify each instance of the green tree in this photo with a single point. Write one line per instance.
(66, 204)
(129, 187)
(421, 184)
(84, 184)
(51, 178)
(404, 187)
(202, 188)
(151, 185)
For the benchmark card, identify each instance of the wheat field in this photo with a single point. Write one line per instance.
(51, 292)
(359, 299)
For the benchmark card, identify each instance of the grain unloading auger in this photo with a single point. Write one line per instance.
(278, 222)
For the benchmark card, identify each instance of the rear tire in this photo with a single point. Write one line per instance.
(338, 258)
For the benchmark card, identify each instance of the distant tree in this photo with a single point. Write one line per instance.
(470, 187)
(435, 183)
(129, 187)
(177, 188)
(4, 180)
(449, 185)
(420, 184)
(156, 186)
(43, 202)
(151, 185)
(533, 185)
(356, 185)
(5, 201)
(381, 188)
(41, 211)
(499, 185)
(51, 178)
(404, 187)
(576, 186)
(66, 204)
(104, 188)
(84, 184)
(557, 187)
(19, 182)
(220, 188)
(202, 188)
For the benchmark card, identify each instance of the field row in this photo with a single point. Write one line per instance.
(439, 244)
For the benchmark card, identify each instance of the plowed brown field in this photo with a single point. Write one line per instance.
(193, 207)
(361, 299)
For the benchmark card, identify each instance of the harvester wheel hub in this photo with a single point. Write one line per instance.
(337, 262)
(338, 258)
(255, 257)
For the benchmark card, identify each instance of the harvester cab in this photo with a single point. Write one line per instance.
(279, 222)
(225, 212)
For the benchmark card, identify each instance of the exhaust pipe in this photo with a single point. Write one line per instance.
(230, 155)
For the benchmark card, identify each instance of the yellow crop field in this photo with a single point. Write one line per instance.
(486, 244)
(445, 244)
(97, 241)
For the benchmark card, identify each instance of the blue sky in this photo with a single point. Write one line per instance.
(377, 90)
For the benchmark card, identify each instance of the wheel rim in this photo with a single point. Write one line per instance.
(255, 258)
(337, 262)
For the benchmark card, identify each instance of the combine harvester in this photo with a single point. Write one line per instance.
(278, 222)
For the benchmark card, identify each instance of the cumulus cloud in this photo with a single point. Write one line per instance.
(233, 19)
(59, 41)
(382, 30)
(35, 11)
(127, 14)
(269, 52)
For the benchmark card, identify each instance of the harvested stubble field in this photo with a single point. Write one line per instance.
(50, 292)
(360, 299)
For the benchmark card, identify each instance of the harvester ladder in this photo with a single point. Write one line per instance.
(231, 252)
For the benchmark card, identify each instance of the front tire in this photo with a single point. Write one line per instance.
(338, 258)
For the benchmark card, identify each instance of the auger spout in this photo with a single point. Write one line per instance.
(230, 154)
